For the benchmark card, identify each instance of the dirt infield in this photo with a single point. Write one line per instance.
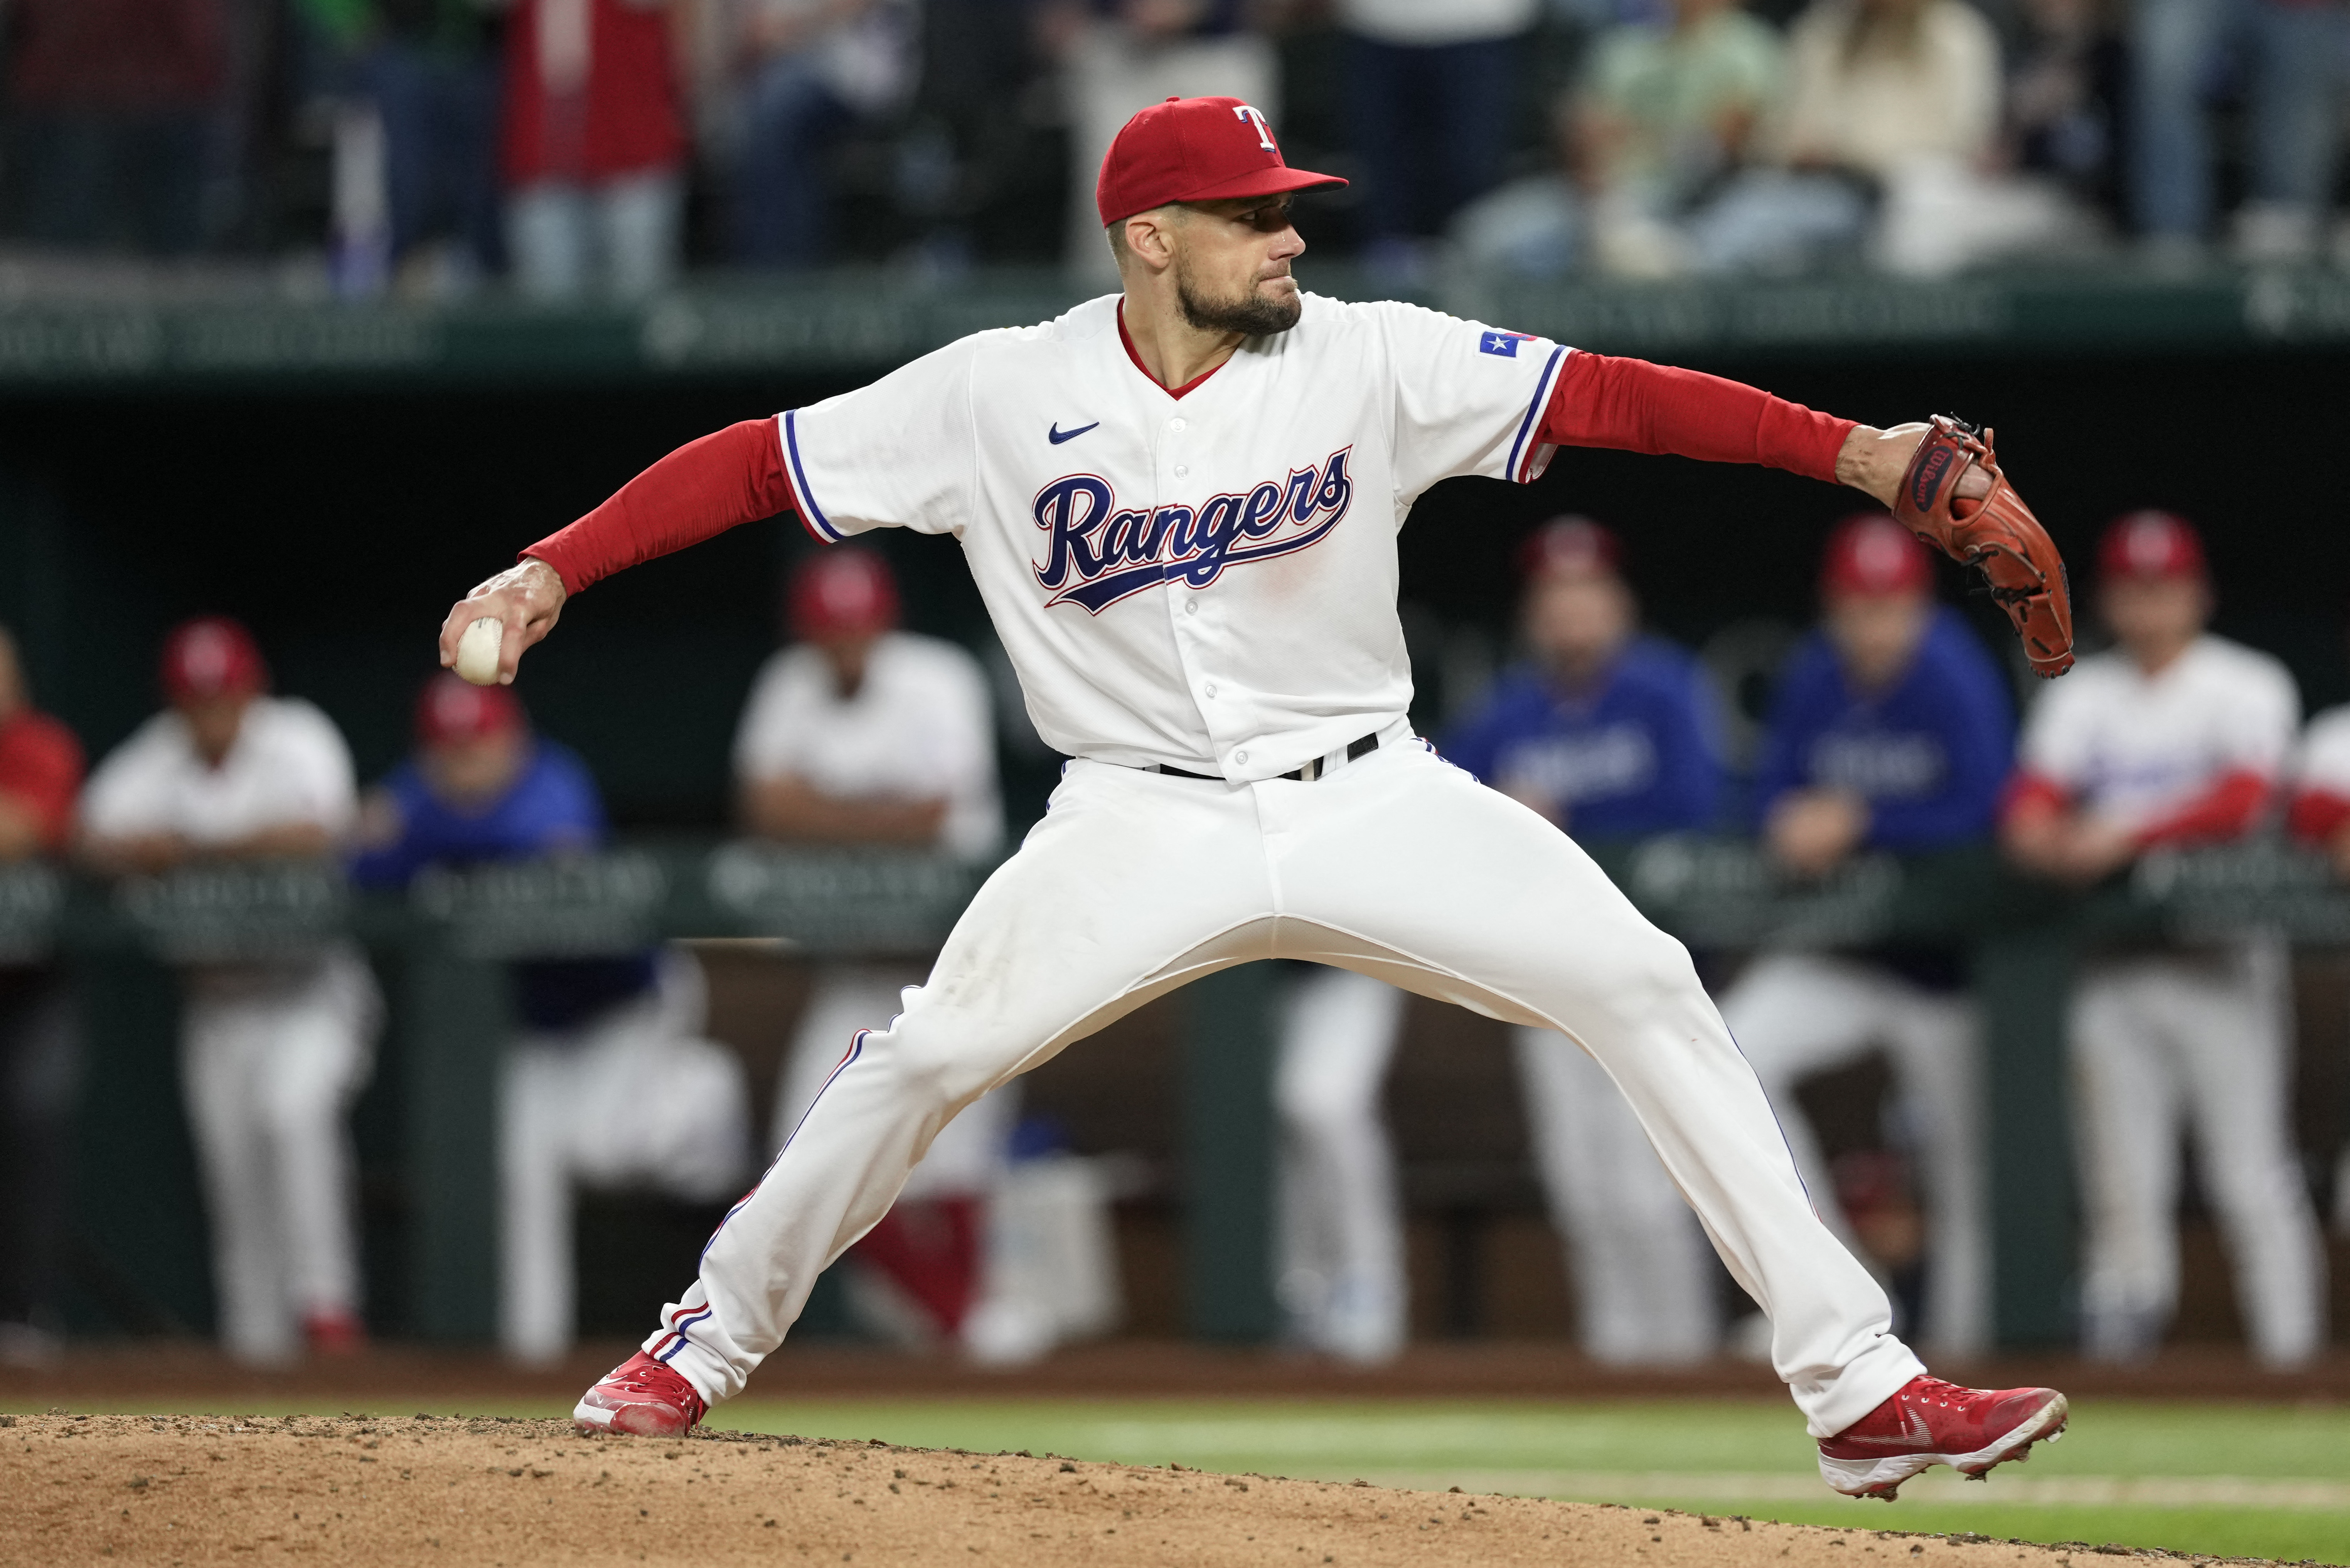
(184, 1490)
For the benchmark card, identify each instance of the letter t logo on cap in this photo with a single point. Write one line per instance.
(1255, 116)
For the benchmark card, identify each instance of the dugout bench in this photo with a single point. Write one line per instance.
(445, 942)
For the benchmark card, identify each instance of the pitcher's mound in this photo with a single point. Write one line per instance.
(203, 1490)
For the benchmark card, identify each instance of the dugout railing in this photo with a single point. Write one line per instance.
(445, 942)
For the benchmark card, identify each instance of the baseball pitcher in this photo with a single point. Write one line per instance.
(1179, 503)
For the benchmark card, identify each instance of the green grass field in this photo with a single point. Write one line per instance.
(2225, 1480)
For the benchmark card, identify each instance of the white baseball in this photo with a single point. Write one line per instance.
(477, 651)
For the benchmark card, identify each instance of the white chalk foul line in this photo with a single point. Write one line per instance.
(1937, 1486)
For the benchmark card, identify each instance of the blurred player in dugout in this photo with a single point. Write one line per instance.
(860, 733)
(40, 773)
(2174, 737)
(1612, 736)
(1890, 729)
(272, 1054)
(609, 1081)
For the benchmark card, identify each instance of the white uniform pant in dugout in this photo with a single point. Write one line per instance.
(271, 1058)
(2197, 1041)
(1795, 1014)
(633, 1098)
(1398, 865)
(1340, 1236)
(1644, 1284)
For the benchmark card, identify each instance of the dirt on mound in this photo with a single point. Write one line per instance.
(181, 1489)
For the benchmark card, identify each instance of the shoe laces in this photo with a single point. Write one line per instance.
(1949, 1395)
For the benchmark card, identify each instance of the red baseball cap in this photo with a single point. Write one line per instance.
(843, 592)
(211, 656)
(1869, 553)
(1571, 544)
(2151, 544)
(451, 708)
(1195, 150)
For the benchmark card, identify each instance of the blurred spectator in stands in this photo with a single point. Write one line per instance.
(1610, 734)
(1887, 135)
(272, 1054)
(1123, 55)
(1431, 86)
(1890, 730)
(40, 773)
(2064, 100)
(1663, 115)
(805, 70)
(115, 105)
(863, 734)
(415, 89)
(609, 1083)
(595, 147)
(2175, 737)
(2290, 56)
(2320, 816)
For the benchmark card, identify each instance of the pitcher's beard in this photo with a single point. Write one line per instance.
(1251, 314)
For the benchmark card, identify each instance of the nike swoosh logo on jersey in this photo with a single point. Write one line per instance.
(1056, 435)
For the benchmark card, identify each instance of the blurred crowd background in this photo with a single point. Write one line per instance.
(570, 149)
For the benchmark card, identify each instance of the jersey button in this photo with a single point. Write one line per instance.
(1212, 689)
(1190, 607)
(1240, 756)
(1176, 425)
(1181, 471)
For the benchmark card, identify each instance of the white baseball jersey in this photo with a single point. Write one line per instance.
(2323, 763)
(289, 765)
(2133, 749)
(917, 729)
(1206, 581)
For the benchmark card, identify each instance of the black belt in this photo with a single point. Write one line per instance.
(1362, 746)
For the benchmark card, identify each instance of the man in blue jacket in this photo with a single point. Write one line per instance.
(1891, 731)
(1610, 735)
(609, 1082)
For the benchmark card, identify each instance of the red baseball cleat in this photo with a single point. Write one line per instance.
(1929, 1422)
(640, 1395)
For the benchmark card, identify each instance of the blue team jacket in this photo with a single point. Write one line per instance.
(1637, 755)
(551, 808)
(1929, 755)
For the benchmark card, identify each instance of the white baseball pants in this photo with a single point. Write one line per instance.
(1399, 866)
(2200, 1041)
(1644, 1284)
(1340, 1272)
(967, 1158)
(1799, 1013)
(634, 1098)
(270, 1060)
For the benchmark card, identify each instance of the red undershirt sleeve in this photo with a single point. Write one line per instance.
(1631, 405)
(2318, 814)
(703, 488)
(2224, 811)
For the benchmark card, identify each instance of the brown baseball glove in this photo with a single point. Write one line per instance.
(1998, 534)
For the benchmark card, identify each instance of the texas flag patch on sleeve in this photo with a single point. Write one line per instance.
(1504, 344)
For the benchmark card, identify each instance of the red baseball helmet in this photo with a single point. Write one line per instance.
(843, 592)
(1576, 545)
(2151, 544)
(451, 708)
(211, 656)
(1869, 553)
(1195, 150)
